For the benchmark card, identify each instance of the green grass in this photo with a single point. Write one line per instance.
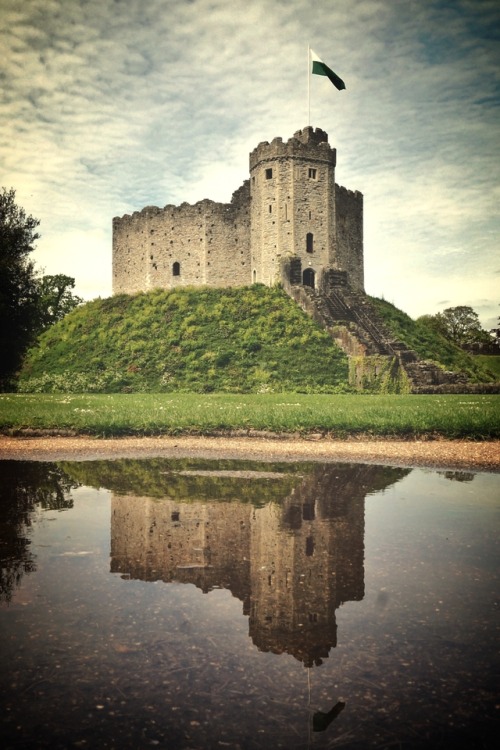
(187, 479)
(453, 416)
(244, 340)
(430, 345)
(490, 362)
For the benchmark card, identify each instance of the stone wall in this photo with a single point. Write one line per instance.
(206, 243)
(349, 224)
(270, 557)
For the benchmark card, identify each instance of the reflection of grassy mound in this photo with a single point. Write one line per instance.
(199, 340)
(160, 478)
(164, 478)
(430, 345)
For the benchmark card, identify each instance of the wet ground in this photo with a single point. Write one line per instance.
(458, 454)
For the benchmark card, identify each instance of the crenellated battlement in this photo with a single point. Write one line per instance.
(309, 143)
(311, 135)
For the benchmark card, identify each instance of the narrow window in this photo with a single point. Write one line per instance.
(286, 212)
(176, 269)
(254, 276)
(308, 512)
(312, 174)
(269, 174)
(309, 242)
(270, 209)
(309, 546)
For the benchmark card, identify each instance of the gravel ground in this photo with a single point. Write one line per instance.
(443, 454)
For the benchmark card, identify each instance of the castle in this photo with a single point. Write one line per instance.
(289, 223)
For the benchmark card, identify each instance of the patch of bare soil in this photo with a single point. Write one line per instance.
(444, 454)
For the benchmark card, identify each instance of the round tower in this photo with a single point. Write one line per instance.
(292, 188)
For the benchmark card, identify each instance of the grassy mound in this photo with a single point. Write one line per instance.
(430, 345)
(246, 340)
(254, 339)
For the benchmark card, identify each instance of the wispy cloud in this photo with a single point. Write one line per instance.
(110, 105)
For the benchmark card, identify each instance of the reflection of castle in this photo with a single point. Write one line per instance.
(291, 564)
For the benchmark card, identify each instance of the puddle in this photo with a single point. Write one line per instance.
(231, 604)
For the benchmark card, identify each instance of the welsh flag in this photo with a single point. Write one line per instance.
(320, 68)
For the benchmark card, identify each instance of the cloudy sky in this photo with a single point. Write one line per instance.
(111, 105)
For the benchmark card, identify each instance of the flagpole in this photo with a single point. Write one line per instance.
(308, 84)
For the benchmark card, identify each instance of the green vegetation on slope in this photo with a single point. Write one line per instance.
(253, 339)
(490, 362)
(430, 345)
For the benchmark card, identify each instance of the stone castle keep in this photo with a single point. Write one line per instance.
(290, 222)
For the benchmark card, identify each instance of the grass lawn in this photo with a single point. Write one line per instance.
(452, 416)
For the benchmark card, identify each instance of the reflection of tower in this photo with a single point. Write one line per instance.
(306, 560)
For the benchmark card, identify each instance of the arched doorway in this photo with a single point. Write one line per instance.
(308, 277)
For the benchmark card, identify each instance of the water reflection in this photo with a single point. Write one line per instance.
(25, 487)
(178, 606)
(291, 563)
(288, 542)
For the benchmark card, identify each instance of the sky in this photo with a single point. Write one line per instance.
(107, 106)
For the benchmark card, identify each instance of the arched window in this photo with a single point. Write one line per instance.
(309, 242)
(308, 277)
(176, 269)
(254, 276)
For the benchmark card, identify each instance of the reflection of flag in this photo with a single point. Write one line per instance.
(319, 68)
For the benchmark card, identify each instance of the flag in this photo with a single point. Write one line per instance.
(319, 68)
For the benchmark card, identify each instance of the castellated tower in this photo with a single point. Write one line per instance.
(289, 223)
(293, 205)
(298, 212)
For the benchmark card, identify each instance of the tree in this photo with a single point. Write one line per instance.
(55, 299)
(495, 333)
(461, 325)
(18, 285)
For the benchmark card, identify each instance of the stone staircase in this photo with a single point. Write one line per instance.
(353, 322)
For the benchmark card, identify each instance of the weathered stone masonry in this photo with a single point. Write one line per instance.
(290, 209)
